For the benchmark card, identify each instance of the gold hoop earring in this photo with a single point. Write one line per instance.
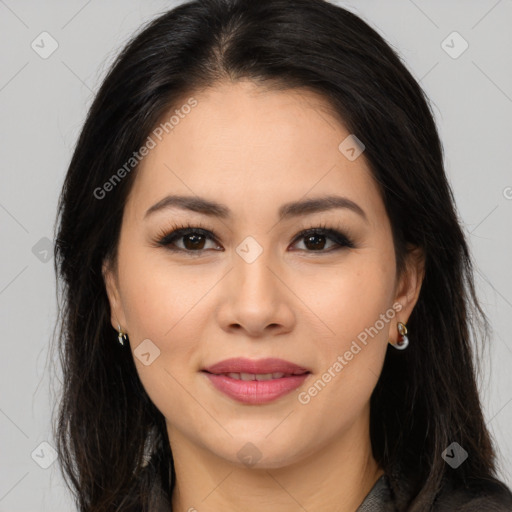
(402, 341)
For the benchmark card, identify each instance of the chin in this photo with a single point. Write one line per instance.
(259, 452)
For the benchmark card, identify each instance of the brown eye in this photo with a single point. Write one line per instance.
(187, 239)
(315, 242)
(193, 241)
(315, 239)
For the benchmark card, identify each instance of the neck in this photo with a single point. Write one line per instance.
(336, 477)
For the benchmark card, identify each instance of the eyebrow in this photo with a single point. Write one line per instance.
(286, 211)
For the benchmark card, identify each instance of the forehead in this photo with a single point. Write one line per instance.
(244, 144)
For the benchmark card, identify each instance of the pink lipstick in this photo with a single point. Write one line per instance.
(256, 381)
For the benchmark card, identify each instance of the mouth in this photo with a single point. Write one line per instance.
(267, 366)
(259, 376)
(255, 382)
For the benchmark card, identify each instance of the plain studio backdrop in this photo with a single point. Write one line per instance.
(53, 56)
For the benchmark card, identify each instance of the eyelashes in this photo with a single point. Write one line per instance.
(197, 236)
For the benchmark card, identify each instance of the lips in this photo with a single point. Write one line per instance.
(256, 367)
(255, 382)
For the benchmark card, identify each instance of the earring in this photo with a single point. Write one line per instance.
(121, 335)
(403, 340)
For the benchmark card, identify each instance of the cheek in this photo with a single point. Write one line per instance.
(354, 305)
(156, 291)
(351, 363)
(162, 303)
(349, 298)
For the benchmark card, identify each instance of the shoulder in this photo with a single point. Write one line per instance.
(487, 495)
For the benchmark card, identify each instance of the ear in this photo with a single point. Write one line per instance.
(117, 316)
(409, 284)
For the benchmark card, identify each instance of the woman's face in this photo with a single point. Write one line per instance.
(251, 286)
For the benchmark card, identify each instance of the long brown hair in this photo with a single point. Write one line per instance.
(426, 397)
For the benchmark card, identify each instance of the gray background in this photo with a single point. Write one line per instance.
(43, 103)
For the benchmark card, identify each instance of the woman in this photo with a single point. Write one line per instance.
(266, 287)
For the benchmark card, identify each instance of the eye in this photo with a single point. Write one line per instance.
(186, 239)
(315, 239)
(194, 239)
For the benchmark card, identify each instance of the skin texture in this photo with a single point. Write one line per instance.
(253, 150)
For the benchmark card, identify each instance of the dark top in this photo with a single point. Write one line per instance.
(485, 496)
(379, 498)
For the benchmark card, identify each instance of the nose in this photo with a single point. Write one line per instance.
(256, 299)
